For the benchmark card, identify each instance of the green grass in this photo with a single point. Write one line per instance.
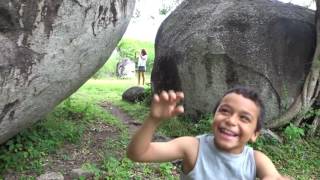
(298, 157)
(116, 165)
(26, 152)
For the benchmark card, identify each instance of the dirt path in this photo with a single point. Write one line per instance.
(91, 149)
(132, 124)
(73, 156)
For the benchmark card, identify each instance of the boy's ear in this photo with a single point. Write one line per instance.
(254, 136)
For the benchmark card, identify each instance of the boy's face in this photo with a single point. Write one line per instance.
(235, 123)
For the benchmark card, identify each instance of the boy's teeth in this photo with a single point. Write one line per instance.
(228, 132)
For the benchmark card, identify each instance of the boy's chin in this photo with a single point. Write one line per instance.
(228, 147)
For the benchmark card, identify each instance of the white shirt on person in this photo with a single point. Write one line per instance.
(142, 61)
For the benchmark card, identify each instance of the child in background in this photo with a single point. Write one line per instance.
(237, 119)
(142, 65)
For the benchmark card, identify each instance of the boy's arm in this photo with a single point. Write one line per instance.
(142, 149)
(266, 169)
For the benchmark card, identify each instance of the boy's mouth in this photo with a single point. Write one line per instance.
(227, 132)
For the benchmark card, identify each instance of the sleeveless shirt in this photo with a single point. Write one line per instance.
(214, 164)
(142, 61)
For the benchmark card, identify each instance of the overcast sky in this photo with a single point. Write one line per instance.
(146, 26)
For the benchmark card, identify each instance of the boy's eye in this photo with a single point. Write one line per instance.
(223, 110)
(245, 119)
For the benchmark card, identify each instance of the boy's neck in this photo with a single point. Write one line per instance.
(235, 151)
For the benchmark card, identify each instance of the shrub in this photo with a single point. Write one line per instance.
(292, 132)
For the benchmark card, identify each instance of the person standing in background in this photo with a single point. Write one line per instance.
(142, 65)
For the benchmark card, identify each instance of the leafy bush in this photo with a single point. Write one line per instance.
(166, 169)
(118, 169)
(293, 132)
(148, 95)
(27, 150)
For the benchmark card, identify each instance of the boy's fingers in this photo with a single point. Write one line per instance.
(156, 98)
(180, 95)
(164, 95)
(178, 110)
(172, 95)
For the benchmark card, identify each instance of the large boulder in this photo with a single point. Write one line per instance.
(206, 47)
(48, 49)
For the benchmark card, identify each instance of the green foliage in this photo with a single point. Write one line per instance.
(118, 169)
(148, 95)
(109, 68)
(166, 169)
(203, 125)
(298, 157)
(312, 113)
(93, 169)
(126, 48)
(183, 126)
(293, 132)
(66, 123)
(131, 49)
(27, 150)
(164, 10)
(168, 6)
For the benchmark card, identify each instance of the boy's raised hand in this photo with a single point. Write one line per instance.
(165, 106)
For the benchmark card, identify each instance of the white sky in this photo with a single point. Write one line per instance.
(306, 3)
(146, 26)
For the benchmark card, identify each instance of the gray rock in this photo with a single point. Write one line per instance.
(133, 94)
(267, 133)
(48, 50)
(77, 173)
(51, 176)
(206, 47)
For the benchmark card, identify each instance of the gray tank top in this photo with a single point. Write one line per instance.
(214, 164)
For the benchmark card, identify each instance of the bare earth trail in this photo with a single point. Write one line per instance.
(132, 124)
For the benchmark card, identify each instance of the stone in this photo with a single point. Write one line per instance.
(49, 49)
(51, 176)
(268, 134)
(77, 173)
(206, 47)
(134, 94)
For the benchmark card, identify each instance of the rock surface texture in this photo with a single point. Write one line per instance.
(48, 49)
(134, 94)
(206, 47)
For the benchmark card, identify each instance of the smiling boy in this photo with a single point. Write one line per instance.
(222, 155)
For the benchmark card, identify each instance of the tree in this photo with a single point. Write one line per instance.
(310, 89)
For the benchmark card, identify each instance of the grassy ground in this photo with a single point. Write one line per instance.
(297, 157)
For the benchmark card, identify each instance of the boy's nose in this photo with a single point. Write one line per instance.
(232, 120)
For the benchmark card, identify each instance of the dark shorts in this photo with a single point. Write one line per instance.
(141, 69)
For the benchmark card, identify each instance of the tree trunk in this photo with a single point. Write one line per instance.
(311, 86)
